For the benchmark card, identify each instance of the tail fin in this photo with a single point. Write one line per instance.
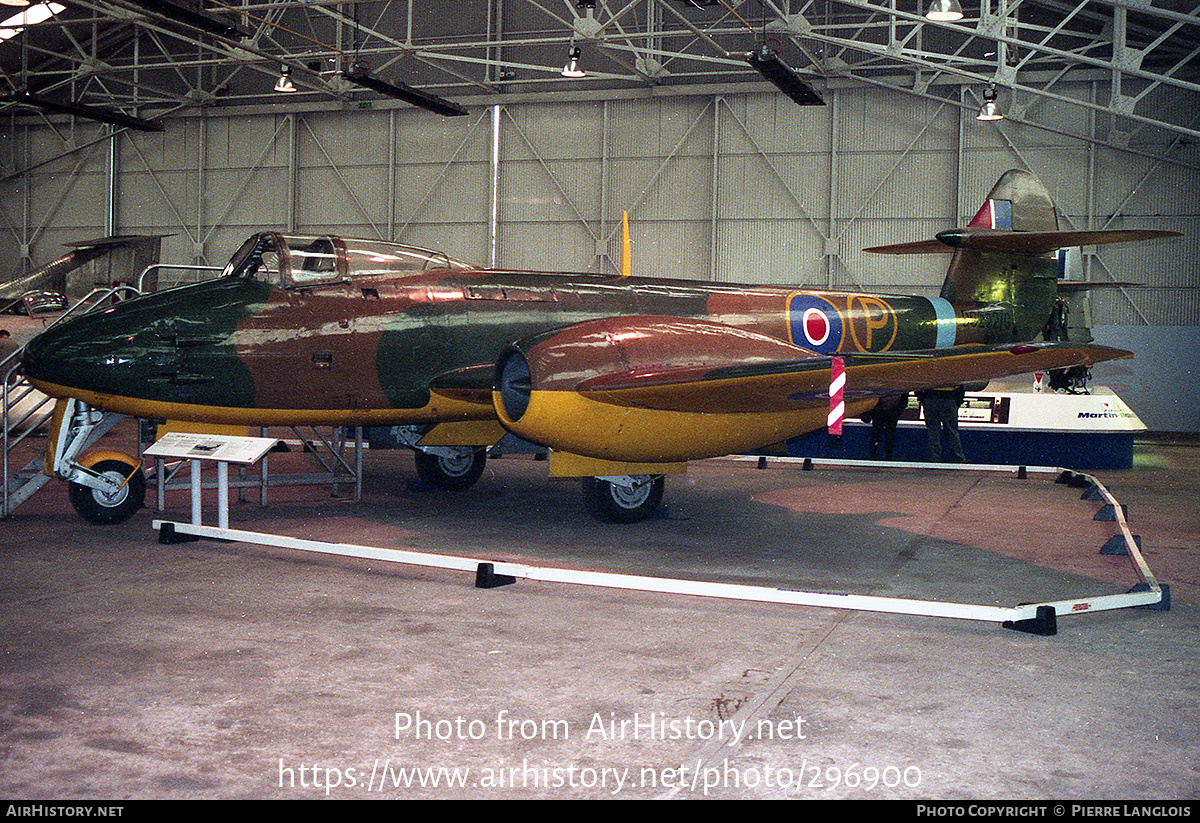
(1018, 202)
(1003, 277)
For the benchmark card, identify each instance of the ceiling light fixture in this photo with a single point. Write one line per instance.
(572, 69)
(284, 84)
(989, 111)
(423, 99)
(767, 63)
(14, 2)
(945, 10)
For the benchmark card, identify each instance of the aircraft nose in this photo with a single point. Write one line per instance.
(77, 355)
(173, 347)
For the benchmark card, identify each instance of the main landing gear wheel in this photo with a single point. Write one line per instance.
(97, 506)
(621, 503)
(452, 472)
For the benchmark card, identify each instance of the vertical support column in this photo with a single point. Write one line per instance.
(716, 179)
(391, 174)
(291, 201)
(201, 186)
(834, 184)
(960, 215)
(494, 223)
(601, 253)
(1086, 261)
(26, 204)
(114, 160)
(1119, 29)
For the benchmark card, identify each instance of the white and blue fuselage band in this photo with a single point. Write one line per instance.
(947, 322)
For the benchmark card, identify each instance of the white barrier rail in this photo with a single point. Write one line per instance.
(1034, 618)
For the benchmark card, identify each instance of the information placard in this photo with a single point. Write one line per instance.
(220, 447)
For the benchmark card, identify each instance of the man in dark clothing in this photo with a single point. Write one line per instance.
(941, 415)
(883, 419)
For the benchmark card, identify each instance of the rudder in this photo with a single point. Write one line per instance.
(1018, 202)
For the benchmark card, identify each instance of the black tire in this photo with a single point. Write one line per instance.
(614, 503)
(96, 507)
(451, 473)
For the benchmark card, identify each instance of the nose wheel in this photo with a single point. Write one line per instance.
(120, 493)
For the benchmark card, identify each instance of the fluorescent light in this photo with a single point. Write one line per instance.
(768, 64)
(361, 77)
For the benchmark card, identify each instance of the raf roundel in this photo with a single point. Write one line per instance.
(816, 326)
(814, 323)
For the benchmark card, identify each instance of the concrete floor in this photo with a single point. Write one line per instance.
(206, 670)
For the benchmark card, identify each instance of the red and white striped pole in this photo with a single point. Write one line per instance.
(837, 387)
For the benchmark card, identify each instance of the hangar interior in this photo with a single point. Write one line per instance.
(723, 178)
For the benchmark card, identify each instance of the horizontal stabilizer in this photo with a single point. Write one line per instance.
(1042, 242)
(919, 247)
(1018, 242)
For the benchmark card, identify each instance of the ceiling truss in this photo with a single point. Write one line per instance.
(1138, 60)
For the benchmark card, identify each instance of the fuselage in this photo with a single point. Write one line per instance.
(368, 345)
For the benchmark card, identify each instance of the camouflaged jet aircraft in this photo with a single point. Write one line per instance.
(622, 379)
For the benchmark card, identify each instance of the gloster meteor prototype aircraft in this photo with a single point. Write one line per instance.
(623, 379)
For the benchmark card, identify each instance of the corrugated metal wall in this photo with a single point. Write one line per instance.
(746, 188)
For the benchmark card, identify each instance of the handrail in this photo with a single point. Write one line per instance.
(153, 266)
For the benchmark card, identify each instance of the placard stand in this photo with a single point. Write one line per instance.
(221, 449)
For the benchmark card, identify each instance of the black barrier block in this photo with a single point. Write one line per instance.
(167, 536)
(808, 464)
(1116, 545)
(1109, 514)
(1163, 605)
(1044, 625)
(486, 577)
(1092, 493)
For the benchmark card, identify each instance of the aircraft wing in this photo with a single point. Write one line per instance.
(765, 387)
(673, 388)
(53, 276)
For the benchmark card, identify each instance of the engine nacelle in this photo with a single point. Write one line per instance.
(578, 390)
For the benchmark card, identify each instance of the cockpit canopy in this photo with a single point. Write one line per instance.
(294, 261)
